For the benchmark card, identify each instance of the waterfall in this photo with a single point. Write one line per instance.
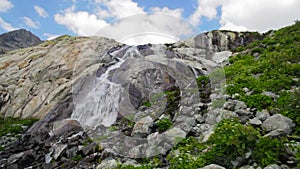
(100, 106)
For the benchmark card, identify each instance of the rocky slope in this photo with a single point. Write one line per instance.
(102, 103)
(17, 39)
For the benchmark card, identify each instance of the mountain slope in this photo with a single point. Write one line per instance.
(105, 104)
(17, 39)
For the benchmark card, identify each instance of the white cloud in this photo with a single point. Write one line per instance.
(6, 26)
(121, 8)
(148, 28)
(205, 8)
(259, 15)
(253, 15)
(165, 10)
(5, 5)
(133, 24)
(50, 36)
(29, 22)
(40, 11)
(81, 22)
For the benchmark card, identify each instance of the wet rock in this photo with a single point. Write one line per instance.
(278, 125)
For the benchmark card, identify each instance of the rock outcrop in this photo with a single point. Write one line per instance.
(17, 39)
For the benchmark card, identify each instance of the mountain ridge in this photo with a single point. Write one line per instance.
(17, 39)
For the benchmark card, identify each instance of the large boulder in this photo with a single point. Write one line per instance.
(278, 125)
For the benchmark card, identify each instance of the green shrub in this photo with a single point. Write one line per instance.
(230, 140)
(164, 124)
(289, 105)
(297, 156)
(267, 151)
(258, 101)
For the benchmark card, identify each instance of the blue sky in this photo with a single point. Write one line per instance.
(49, 19)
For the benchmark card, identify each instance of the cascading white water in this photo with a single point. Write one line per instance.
(100, 106)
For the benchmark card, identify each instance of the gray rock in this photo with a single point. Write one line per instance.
(199, 118)
(15, 157)
(278, 125)
(58, 150)
(283, 166)
(226, 115)
(131, 162)
(213, 166)
(243, 112)
(142, 127)
(270, 94)
(240, 105)
(263, 115)
(174, 135)
(234, 105)
(273, 166)
(255, 121)
(107, 164)
(238, 161)
(247, 167)
(91, 148)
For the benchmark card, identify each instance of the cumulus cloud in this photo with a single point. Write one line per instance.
(5, 5)
(40, 11)
(205, 8)
(29, 22)
(80, 22)
(259, 15)
(121, 8)
(163, 25)
(165, 10)
(6, 26)
(253, 15)
(152, 28)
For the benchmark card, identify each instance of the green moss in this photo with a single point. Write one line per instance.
(147, 104)
(164, 124)
(13, 125)
(78, 157)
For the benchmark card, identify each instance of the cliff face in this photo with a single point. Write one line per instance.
(17, 39)
(221, 40)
